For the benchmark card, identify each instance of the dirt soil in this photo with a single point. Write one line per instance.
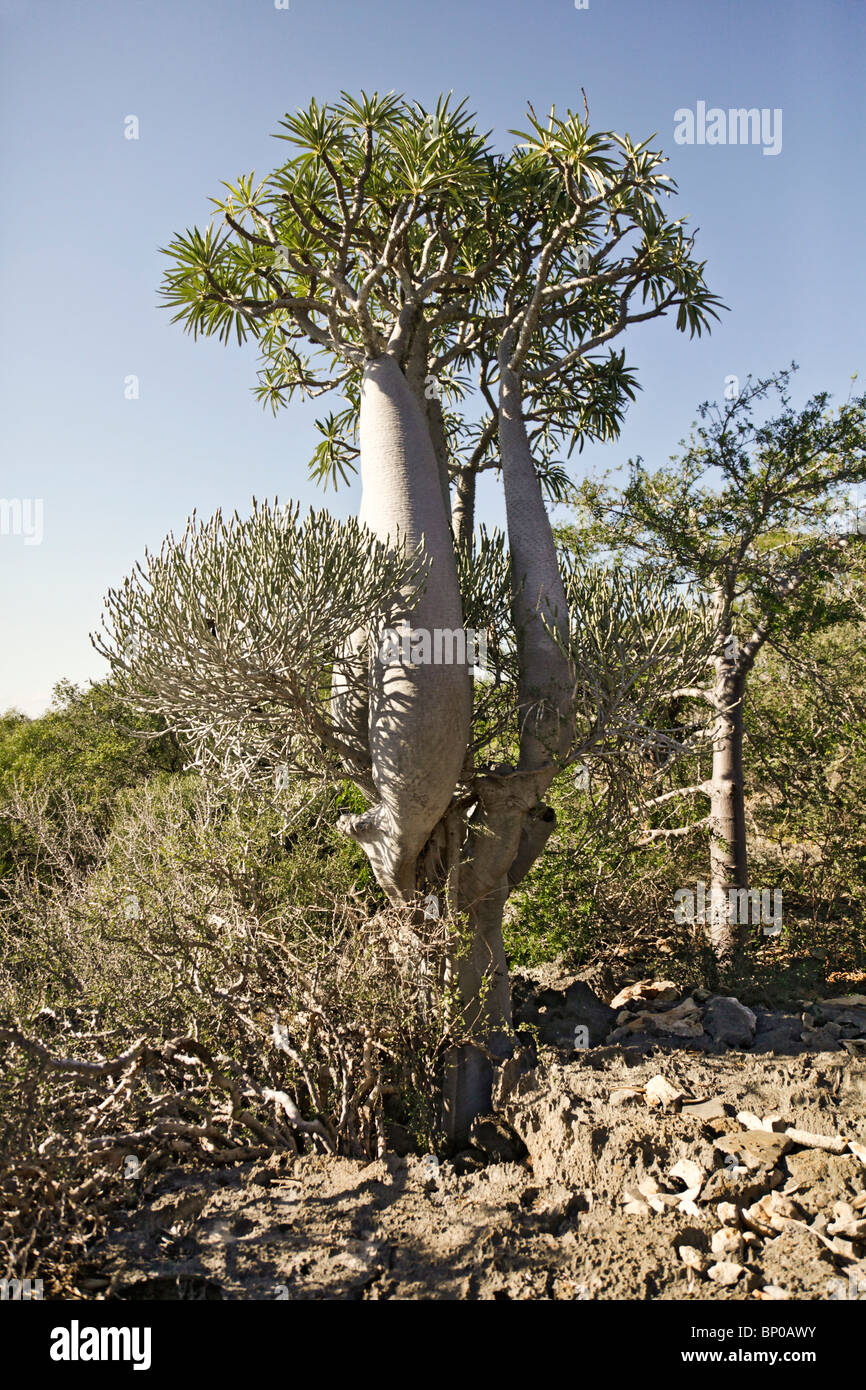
(584, 1185)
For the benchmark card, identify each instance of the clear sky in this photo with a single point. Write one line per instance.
(84, 210)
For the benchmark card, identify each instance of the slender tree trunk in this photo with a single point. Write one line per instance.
(484, 988)
(545, 692)
(511, 827)
(426, 391)
(728, 859)
(508, 834)
(463, 508)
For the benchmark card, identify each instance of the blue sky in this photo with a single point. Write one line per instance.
(85, 210)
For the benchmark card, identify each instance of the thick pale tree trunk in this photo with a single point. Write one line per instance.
(419, 712)
(350, 695)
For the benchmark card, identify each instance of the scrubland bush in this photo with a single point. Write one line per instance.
(209, 981)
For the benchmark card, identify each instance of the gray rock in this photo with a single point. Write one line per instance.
(584, 1006)
(818, 1178)
(850, 1021)
(729, 1022)
(771, 1020)
(558, 1013)
(741, 1188)
(779, 1033)
(824, 1039)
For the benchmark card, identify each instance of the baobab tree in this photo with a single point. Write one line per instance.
(749, 515)
(462, 303)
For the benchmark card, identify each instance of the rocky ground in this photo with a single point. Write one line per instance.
(666, 1144)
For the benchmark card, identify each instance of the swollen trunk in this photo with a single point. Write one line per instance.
(419, 710)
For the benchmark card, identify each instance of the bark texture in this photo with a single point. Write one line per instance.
(463, 509)
(426, 391)
(419, 715)
(545, 692)
(728, 858)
